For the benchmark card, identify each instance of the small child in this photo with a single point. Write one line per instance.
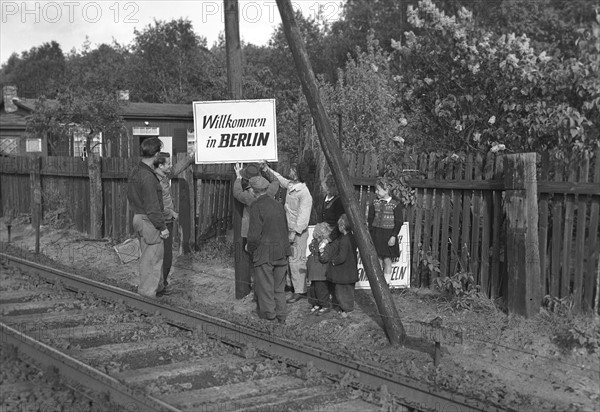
(342, 271)
(318, 292)
(385, 220)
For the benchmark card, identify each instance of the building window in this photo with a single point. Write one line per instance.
(79, 139)
(9, 145)
(33, 144)
(146, 131)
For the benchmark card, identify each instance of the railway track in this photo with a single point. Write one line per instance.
(149, 356)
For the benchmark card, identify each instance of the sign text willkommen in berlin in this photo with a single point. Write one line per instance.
(231, 131)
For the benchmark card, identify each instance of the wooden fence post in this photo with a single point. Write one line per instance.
(35, 180)
(243, 265)
(96, 196)
(187, 210)
(522, 245)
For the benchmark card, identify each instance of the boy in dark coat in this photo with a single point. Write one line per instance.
(342, 272)
(269, 247)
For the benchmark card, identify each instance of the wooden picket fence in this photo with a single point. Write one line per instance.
(457, 217)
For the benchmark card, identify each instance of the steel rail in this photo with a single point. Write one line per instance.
(412, 392)
(81, 373)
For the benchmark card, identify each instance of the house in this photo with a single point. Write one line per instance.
(172, 123)
(13, 122)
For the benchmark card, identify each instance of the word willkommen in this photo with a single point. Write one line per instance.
(225, 121)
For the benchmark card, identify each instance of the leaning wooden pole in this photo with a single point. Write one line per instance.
(234, 84)
(391, 320)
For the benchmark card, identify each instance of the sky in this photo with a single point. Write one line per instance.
(27, 24)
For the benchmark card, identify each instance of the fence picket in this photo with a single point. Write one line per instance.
(420, 243)
(466, 218)
(446, 206)
(476, 224)
(543, 226)
(488, 173)
(567, 253)
(456, 215)
(584, 171)
(436, 210)
(593, 253)
(557, 221)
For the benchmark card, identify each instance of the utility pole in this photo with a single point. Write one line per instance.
(387, 310)
(234, 84)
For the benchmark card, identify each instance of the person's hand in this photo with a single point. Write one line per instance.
(164, 234)
(292, 237)
(392, 241)
(175, 215)
(263, 165)
(322, 245)
(238, 170)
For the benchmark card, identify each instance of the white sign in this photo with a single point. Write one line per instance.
(232, 131)
(400, 276)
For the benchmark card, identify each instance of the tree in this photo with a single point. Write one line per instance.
(277, 68)
(39, 71)
(364, 97)
(468, 88)
(170, 64)
(92, 112)
(106, 67)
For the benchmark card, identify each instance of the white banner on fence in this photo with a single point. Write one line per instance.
(400, 276)
(231, 131)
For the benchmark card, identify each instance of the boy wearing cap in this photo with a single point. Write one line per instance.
(163, 170)
(269, 247)
(244, 195)
(298, 205)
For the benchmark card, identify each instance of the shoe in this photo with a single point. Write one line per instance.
(343, 314)
(294, 298)
(315, 308)
(323, 311)
(164, 292)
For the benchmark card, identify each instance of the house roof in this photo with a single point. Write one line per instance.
(132, 109)
(15, 120)
(158, 110)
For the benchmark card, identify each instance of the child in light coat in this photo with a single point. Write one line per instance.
(318, 292)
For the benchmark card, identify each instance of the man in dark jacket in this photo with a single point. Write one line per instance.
(269, 247)
(145, 199)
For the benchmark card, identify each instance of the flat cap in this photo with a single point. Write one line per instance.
(259, 183)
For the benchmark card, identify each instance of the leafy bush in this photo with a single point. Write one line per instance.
(463, 292)
(55, 209)
(464, 87)
(429, 266)
(579, 333)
